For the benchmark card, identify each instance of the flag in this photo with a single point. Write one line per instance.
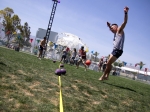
(19, 36)
(31, 40)
(38, 41)
(8, 32)
(145, 69)
(14, 33)
(136, 64)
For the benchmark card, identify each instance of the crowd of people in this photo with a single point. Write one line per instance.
(73, 57)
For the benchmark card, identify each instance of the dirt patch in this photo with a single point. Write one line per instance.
(17, 105)
(127, 103)
(21, 72)
(12, 76)
(95, 102)
(34, 85)
(77, 81)
(75, 87)
(55, 85)
(85, 93)
(113, 107)
(54, 101)
(104, 96)
(26, 92)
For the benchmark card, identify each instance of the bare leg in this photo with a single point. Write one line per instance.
(83, 61)
(40, 53)
(107, 75)
(108, 67)
(61, 60)
(99, 68)
(78, 62)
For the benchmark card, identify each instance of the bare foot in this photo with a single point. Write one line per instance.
(101, 78)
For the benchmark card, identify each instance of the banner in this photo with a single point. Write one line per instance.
(18, 36)
(8, 32)
(87, 50)
(31, 40)
(38, 41)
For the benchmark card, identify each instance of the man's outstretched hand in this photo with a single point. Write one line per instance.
(126, 9)
(108, 24)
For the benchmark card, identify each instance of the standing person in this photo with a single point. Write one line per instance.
(82, 59)
(64, 55)
(100, 64)
(73, 55)
(118, 43)
(42, 45)
(104, 65)
(76, 59)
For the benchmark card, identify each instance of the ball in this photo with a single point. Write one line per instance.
(61, 65)
(63, 71)
(88, 62)
(58, 72)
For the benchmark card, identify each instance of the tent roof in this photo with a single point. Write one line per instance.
(70, 40)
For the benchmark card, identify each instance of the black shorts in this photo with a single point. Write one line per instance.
(41, 48)
(73, 58)
(63, 57)
(117, 53)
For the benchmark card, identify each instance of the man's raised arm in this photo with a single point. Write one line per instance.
(108, 24)
(125, 18)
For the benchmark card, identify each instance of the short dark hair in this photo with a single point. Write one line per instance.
(44, 38)
(114, 24)
(82, 47)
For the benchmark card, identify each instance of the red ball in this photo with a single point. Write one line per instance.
(88, 62)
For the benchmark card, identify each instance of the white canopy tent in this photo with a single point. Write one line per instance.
(71, 41)
(134, 70)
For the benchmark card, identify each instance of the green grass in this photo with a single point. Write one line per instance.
(29, 84)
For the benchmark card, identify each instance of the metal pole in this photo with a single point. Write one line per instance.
(50, 22)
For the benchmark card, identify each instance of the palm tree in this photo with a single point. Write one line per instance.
(141, 64)
(27, 31)
(95, 55)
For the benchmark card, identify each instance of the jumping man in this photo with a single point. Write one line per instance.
(118, 43)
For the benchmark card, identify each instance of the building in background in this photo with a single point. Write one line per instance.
(42, 33)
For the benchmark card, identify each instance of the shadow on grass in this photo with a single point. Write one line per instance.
(3, 64)
(126, 88)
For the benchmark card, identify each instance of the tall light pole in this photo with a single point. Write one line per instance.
(51, 21)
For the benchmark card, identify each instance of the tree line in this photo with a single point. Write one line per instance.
(13, 27)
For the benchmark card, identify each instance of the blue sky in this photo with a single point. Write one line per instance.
(87, 19)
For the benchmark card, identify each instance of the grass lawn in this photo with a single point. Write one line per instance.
(29, 84)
